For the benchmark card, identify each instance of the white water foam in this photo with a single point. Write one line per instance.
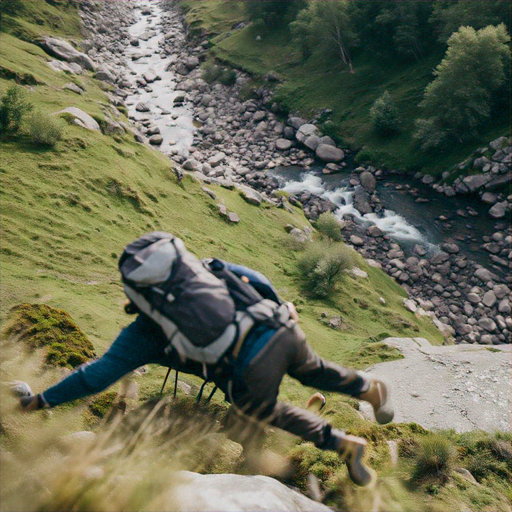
(390, 223)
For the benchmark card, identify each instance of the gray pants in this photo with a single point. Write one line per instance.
(255, 395)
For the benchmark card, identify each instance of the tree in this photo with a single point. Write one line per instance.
(13, 108)
(449, 15)
(328, 26)
(406, 23)
(461, 96)
(384, 115)
(273, 12)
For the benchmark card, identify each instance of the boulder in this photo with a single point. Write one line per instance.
(217, 159)
(73, 87)
(156, 140)
(142, 107)
(296, 122)
(283, 144)
(368, 181)
(305, 131)
(374, 231)
(192, 165)
(191, 63)
(149, 77)
(362, 201)
(475, 182)
(312, 142)
(450, 248)
(484, 275)
(223, 492)
(104, 75)
(487, 324)
(489, 299)
(328, 153)
(499, 210)
(356, 240)
(81, 118)
(70, 67)
(64, 51)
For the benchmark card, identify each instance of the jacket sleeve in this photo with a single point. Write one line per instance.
(260, 283)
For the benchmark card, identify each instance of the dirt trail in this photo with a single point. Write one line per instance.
(464, 387)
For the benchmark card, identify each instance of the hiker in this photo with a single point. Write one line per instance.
(225, 323)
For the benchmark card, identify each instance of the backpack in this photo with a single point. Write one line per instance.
(202, 307)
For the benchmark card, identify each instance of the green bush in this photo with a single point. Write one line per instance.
(384, 115)
(214, 73)
(44, 129)
(435, 460)
(321, 266)
(329, 225)
(227, 77)
(13, 108)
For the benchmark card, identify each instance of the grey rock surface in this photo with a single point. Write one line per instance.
(63, 50)
(237, 493)
(82, 118)
(464, 387)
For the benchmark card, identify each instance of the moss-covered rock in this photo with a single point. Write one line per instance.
(41, 326)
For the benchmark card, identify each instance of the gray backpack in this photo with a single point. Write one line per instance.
(193, 302)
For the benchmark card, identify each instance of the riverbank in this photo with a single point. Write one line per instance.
(213, 132)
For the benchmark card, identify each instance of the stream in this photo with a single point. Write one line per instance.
(413, 213)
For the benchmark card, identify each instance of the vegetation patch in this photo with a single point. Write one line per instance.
(41, 326)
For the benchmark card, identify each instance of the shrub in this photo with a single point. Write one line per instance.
(227, 77)
(322, 265)
(45, 130)
(435, 460)
(13, 108)
(330, 226)
(384, 115)
(214, 73)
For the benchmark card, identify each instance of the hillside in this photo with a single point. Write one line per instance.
(66, 214)
(318, 83)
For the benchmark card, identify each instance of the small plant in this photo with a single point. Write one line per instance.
(435, 460)
(321, 266)
(211, 72)
(227, 77)
(13, 108)
(329, 225)
(45, 130)
(384, 115)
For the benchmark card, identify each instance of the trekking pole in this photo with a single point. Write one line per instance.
(165, 381)
(175, 384)
(211, 395)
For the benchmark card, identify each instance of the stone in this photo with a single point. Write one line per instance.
(473, 298)
(82, 118)
(233, 217)
(73, 88)
(305, 131)
(217, 159)
(104, 75)
(450, 248)
(420, 250)
(283, 144)
(296, 122)
(504, 307)
(475, 181)
(191, 63)
(70, 67)
(499, 210)
(374, 231)
(487, 324)
(142, 107)
(149, 77)
(328, 153)
(252, 196)
(312, 142)
(356, 240)
(156, 140)
(484, 275)
(19, 388)
(488, 198)
(410, 305)
(489, 299)
(223, 492)
(192, 165)
(368, 181)
(64, 51)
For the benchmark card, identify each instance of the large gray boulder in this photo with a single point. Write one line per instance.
(64, 51)
(81, 118)
(305, 131)
(328, 153)
(222, 493)
(283, 144)
(368, 181)
(499, 210)
(71, 67)
(475, 182)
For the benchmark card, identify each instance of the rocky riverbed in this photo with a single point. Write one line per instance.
(213, 132)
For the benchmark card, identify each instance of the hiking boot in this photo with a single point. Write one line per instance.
(316, 402)
(351, 450)
(378, 396)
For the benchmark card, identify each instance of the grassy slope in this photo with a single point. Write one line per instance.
(315, 84)
(67, 213)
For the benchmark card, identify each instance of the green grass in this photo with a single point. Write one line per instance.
(319, 83)
(67, 212)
